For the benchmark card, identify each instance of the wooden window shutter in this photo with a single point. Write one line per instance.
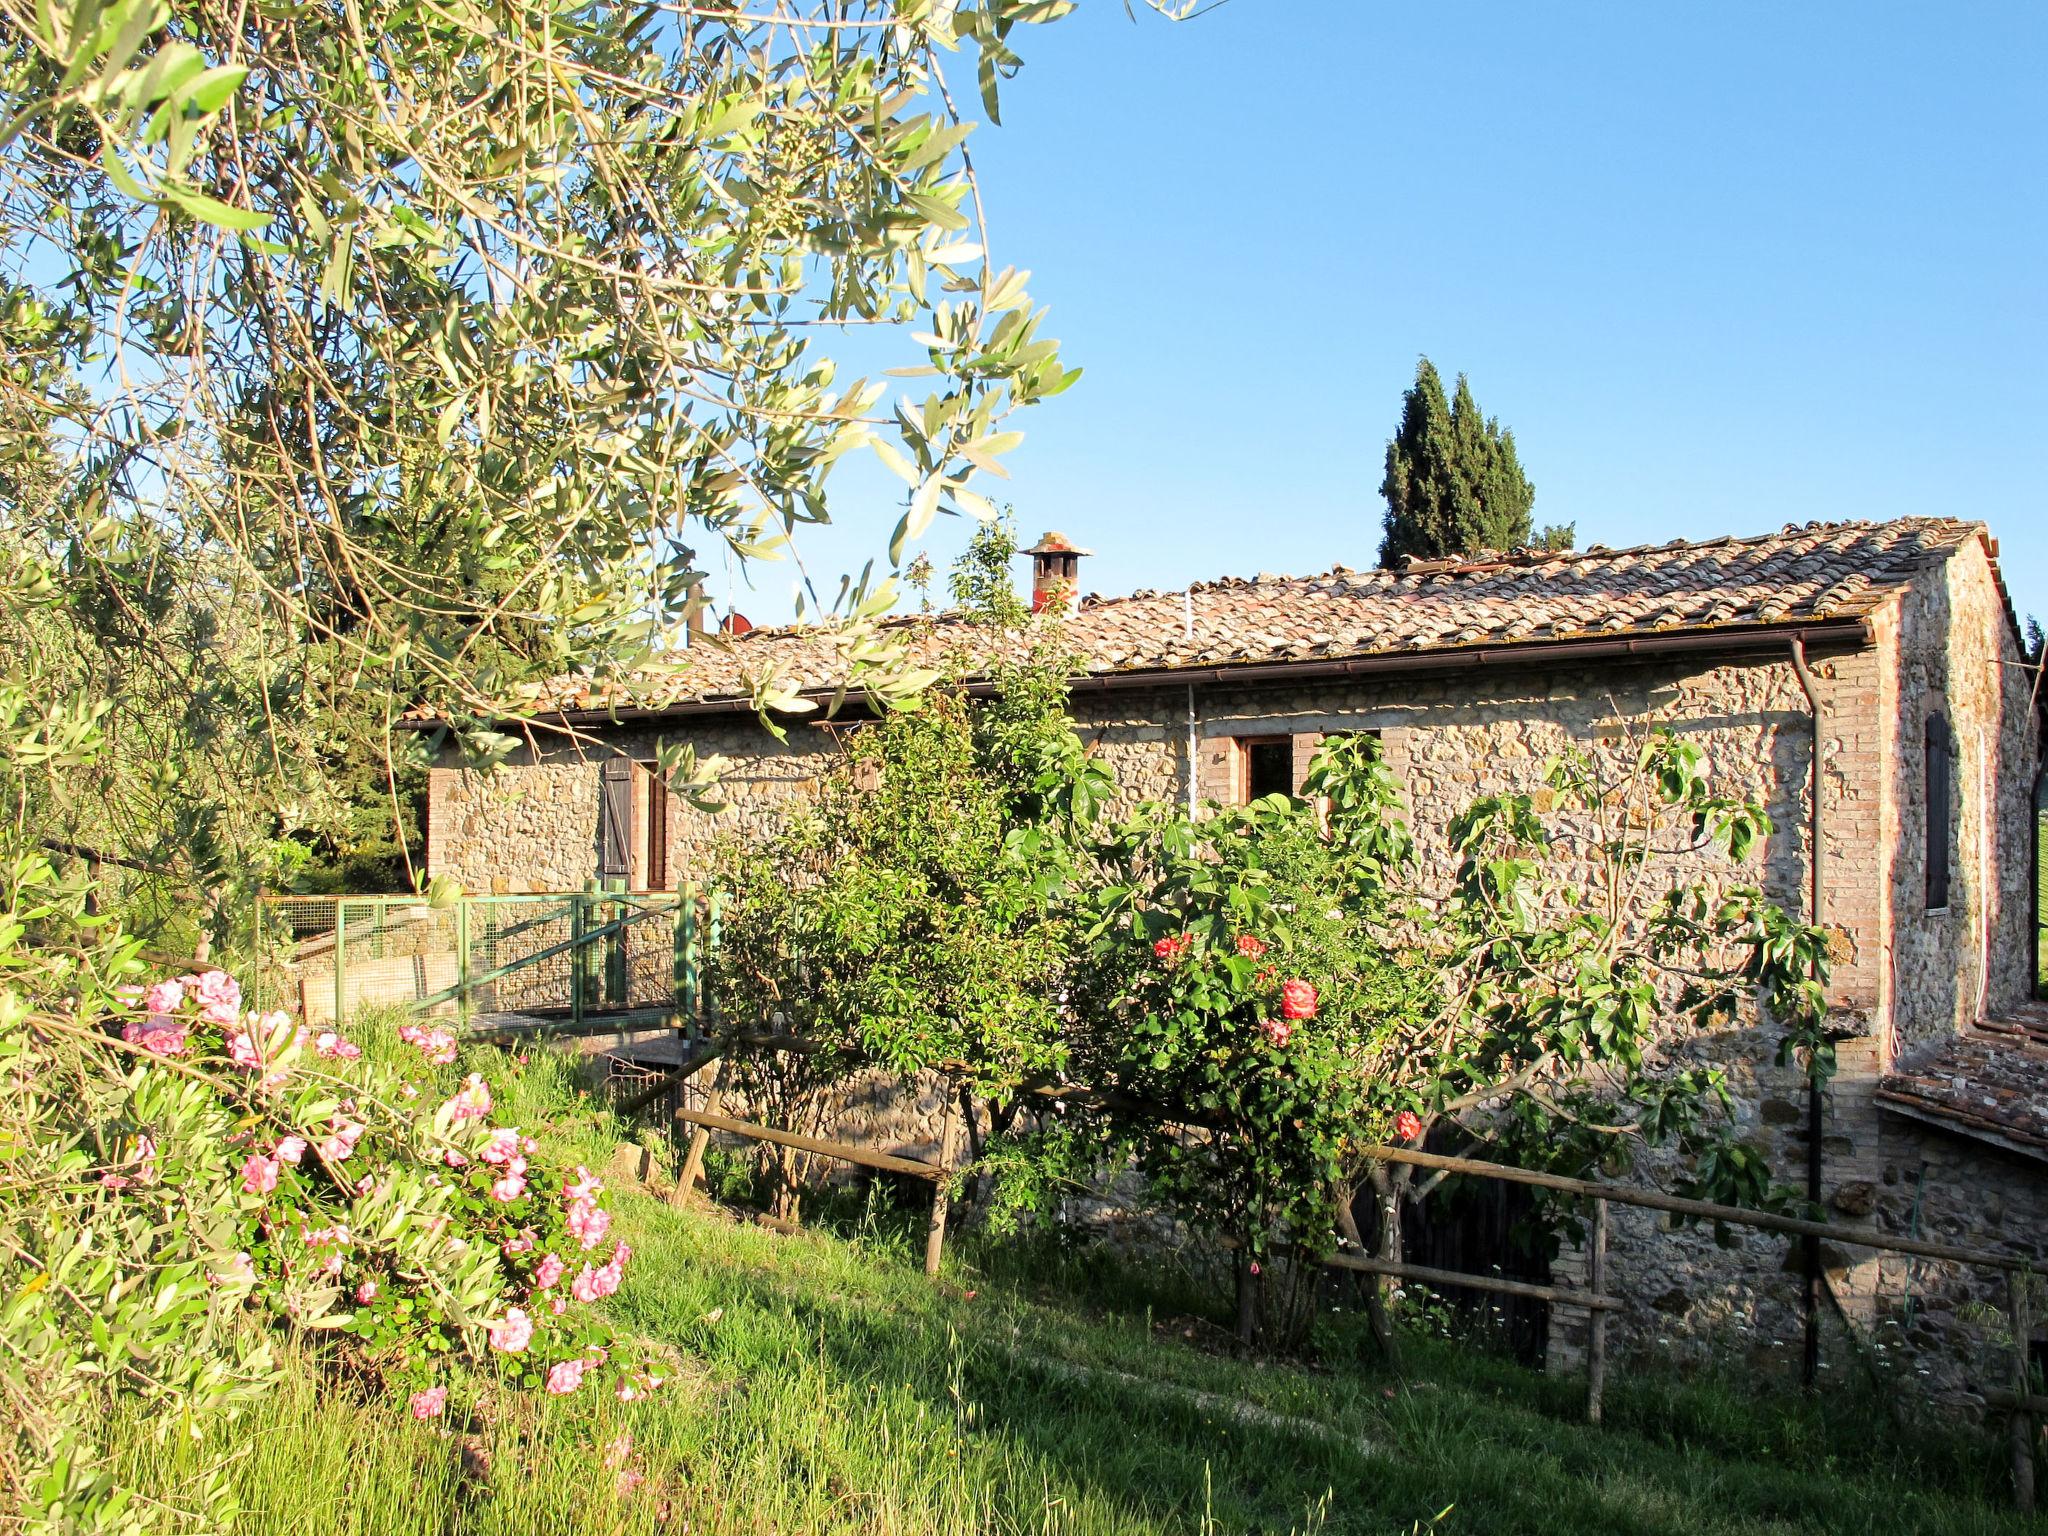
(1940, 792)
(615, 820)
(657, 829)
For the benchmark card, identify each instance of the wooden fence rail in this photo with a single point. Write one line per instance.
(2024, 1406)
(1704, 1210)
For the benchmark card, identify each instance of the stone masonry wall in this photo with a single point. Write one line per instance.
(1959, 657)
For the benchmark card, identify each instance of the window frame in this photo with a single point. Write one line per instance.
(1937, 795)
(1243, 776)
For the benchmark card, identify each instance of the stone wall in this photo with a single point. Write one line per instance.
(1957, 656)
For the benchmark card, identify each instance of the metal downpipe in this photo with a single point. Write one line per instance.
(1809, 1361)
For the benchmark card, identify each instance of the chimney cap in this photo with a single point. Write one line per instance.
(1056, 544)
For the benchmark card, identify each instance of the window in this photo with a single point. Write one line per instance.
(1265, 767)
(1937, 769)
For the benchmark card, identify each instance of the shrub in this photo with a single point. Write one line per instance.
(188, 1178)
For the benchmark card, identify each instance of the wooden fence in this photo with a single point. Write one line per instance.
(2023, 1406)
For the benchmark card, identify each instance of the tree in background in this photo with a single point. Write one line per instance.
(1454, 485)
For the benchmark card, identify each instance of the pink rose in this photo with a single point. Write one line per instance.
(473, 1100)
(508, 1188)
(548, 1271)
(330, 1044)
(428, 1404)
(586, 1186)
(1407, 1125)
(1279, 1031)
(502, 1148)
(523, 1243)
(218, 987)
(366, 1293)
(164, 997)
(514, 1333)
(291, 1149)
(588, 1223)
(1297, 1000)
(259, 1175)
(565, 1378)
(157, 1035)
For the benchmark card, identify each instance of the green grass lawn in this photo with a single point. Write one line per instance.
(825, 1385)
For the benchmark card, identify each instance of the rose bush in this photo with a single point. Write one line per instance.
(384, 1210)
(187, 1181)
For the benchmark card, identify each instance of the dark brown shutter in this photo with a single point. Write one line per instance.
(657, 829)
(615, 820)
(1940, 792)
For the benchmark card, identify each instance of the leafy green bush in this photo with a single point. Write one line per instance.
(184, 1180)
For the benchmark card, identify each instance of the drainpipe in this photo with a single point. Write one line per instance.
(1187, 623)
(1809, 1363)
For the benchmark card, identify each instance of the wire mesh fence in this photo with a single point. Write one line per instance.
(562, 958)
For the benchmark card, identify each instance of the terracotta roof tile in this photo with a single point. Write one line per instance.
(1813, 571)
(1991, 1081)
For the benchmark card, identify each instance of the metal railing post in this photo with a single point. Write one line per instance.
(577, 923)
(1596, 1337)
(684, 936)
(340, 954)
(463, 1006)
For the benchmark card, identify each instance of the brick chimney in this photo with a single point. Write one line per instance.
(1056, 574)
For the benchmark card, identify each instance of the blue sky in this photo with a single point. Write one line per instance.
(1719, 267)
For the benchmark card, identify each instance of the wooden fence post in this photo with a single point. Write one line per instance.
(2022, 1426)
(693, 1164)
(942, 1190)
(1596, 1323)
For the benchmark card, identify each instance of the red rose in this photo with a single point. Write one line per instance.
(1407, 1125)
(1297, 1000)
(1277, 1030)
(1171, 949)
(1250, 945)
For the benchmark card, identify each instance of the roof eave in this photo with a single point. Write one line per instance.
(1728, 640)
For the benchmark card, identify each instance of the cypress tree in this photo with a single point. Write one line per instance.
(1454, 484)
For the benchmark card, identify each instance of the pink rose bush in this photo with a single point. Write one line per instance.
(397, 1234)
(1236, 980)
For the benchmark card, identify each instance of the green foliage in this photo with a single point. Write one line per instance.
(830, 1388)
(1268, 992)
(1454, 485)
(184, 1182)
(1238, 973)
(917, 915)
(362, 357)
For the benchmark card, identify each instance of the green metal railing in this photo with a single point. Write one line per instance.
(564, 961)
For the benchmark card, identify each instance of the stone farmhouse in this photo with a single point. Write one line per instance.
(1890, 649)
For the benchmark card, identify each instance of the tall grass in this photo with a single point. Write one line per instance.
(824, 1385)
